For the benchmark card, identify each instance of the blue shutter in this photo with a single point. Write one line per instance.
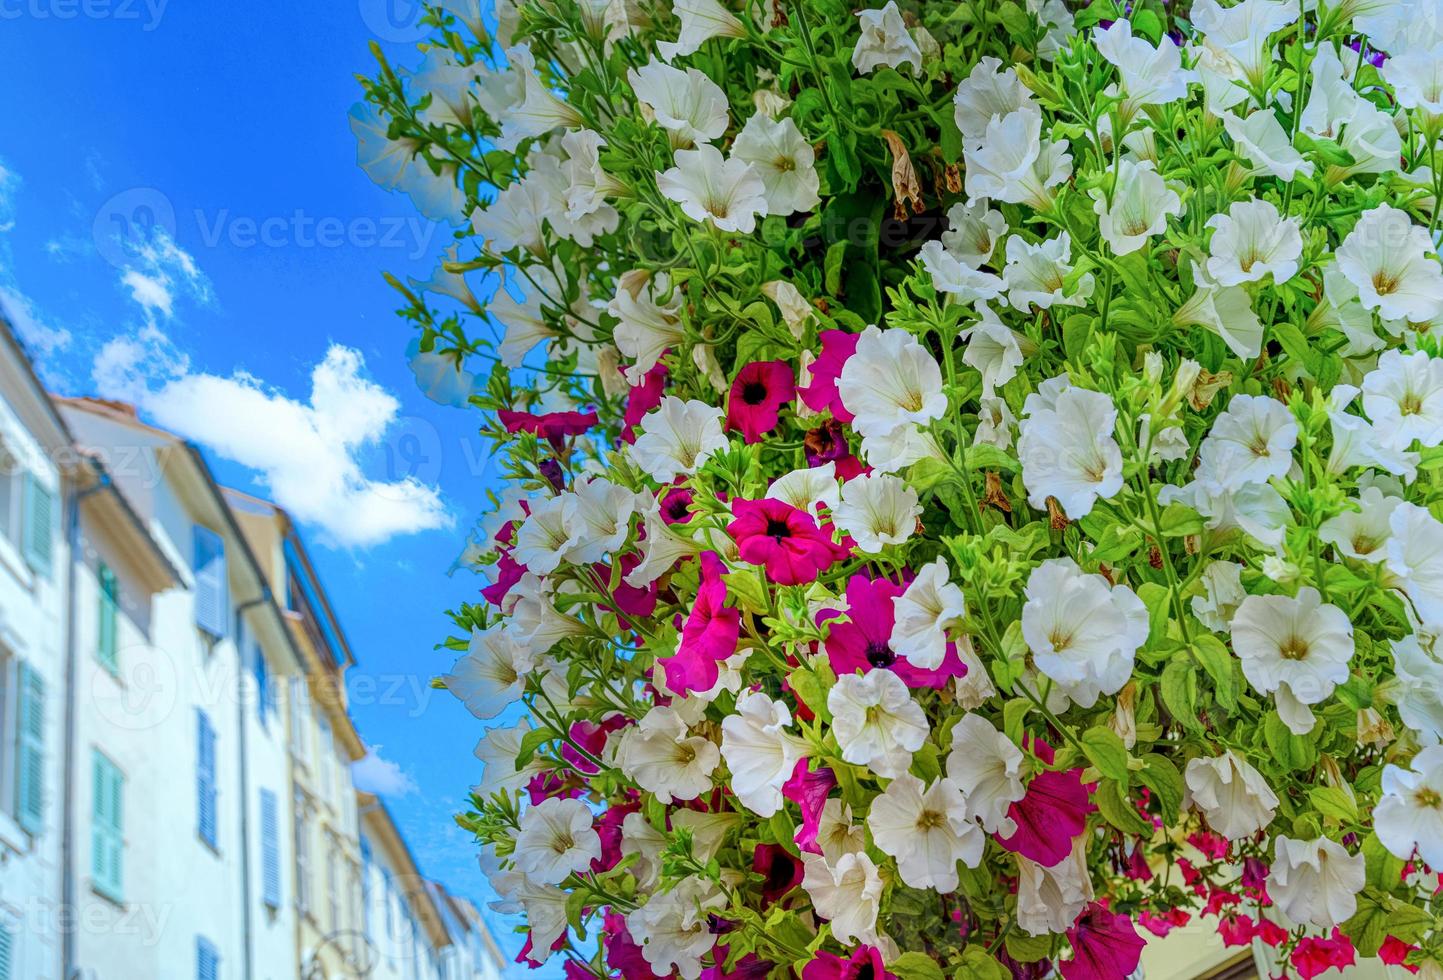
(263, 685)
(211, 601)
(207, 960)
(107, 842)
(205, 778)
(270, 850)
(30, 754)
(107, 642)
(39, 526)
(7, 952)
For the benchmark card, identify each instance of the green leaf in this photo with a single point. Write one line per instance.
(978, 964)
(1028, 949)
(1293, 752)
(1335, 802)
(1014, 714)
(1384, 870)
(1214, 658)
(916, 966)
(808, 688)
(1179, 693)
(1156, 598)
(832, 265)
(1161, 776)
(1105, 751)
(1368, 927)
(1118, 810)
(1409, 923)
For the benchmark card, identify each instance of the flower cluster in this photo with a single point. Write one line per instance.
(970, 495)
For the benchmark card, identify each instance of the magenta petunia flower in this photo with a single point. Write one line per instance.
(708, 636)
(553, 426)
(760, 390)
(507, 572)
(1105, 946)
(827, 443)
(865, 963)
(1395, 952)
(822, 395)
(784, 541)
(641, 399)
(864, 642)
(1053, 812)
(809, 791)
(622, 952)
(676, 505)
(1315, 955)
(1237, 929)
(781, 872)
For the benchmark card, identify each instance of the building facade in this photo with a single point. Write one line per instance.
(175, 750)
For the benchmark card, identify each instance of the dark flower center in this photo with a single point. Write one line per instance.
(754, 392)
(777, 528)
(879, 654)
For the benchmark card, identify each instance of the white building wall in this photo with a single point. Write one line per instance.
(32, 633)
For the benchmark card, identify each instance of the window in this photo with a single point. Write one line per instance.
(29, 749)
(107, 846)
(265, 689)
(7, 951)
(366, 871)
(38, 526)
(207, 960)
(107, 642)
(327, 752)
(333, 885)
(205, 787)
(212, 605)
(300, 740)
(303, 856)
(270, 851)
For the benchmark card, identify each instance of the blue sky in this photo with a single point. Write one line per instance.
(224, 125)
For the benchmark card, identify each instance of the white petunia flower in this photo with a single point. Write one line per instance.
(890, 381)
(1363, 533)
(973, 230)
(1256, 509)
(927, 830)
(1251, 442)
(1037, 274)
(809, 488)
(649, 323)
(498, 749)
(1337, 112)
(535, 623)
(525, 326)
(1226, 311)
(1223, 583)
(1140, 204)
(701, 20)
(876, 722)
(727, 192)
(760, 752)
(1416, 74)
(885, 41)
(987, 767)
(1415, 555)
(1082, 631)
(1299, 646)
(923, 614)
(673, 928)
(1357, 443)
(1252, 240)
(1068, 449)
(1049, 900)
(687, 104)
(1315, 882)
(953, 276)
(1011, 162)
(1403, 396)
(661, 758)
(1151, 75)
(847, 892)
(548, 535)
(893, 450)
(661, 548)
(877, 510)
(995, 423)
(555, 839)
(515, 217)
(784, 160)
(994, 349)
(603, 518)
(492, 674)
(837, 834)
(1387, 258)
(1409, 816)
(987, 93)
(543, 905)
(1418, 666)
(539, 111)
(677, 438)
(1261, 140)
(1235, 798)
(1241, 34)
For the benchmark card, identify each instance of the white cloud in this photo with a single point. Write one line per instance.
(306, 453)
(9, 184)
(380, 777)
(158, 271)
(43, 338)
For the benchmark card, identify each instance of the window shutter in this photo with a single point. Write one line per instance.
(211, 602)
(7, 951)
(270, 850)
(263, 684)
(30, 754)
(39, 529)
(205, 778)
(207, 960)
(108, 642)
(107, 842)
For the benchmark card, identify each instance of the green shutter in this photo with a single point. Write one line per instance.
(7, 952)
(39, 526)
(30, 754)
(107, 842)
(107, 644)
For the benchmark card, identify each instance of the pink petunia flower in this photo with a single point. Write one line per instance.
(781, 872)
(1395, 952)
(1105, 946)
(1237, 929)
(827, 443)
(553, 426)
(708, 636)
(809, 790)
(622, 952)
(676, 505)
(865, 963)
(783, 541)
(821, 394)
(506, 574)
(760, 390)
(641, 399)
(1053, 812)
(1315, 955)
(864, 641)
